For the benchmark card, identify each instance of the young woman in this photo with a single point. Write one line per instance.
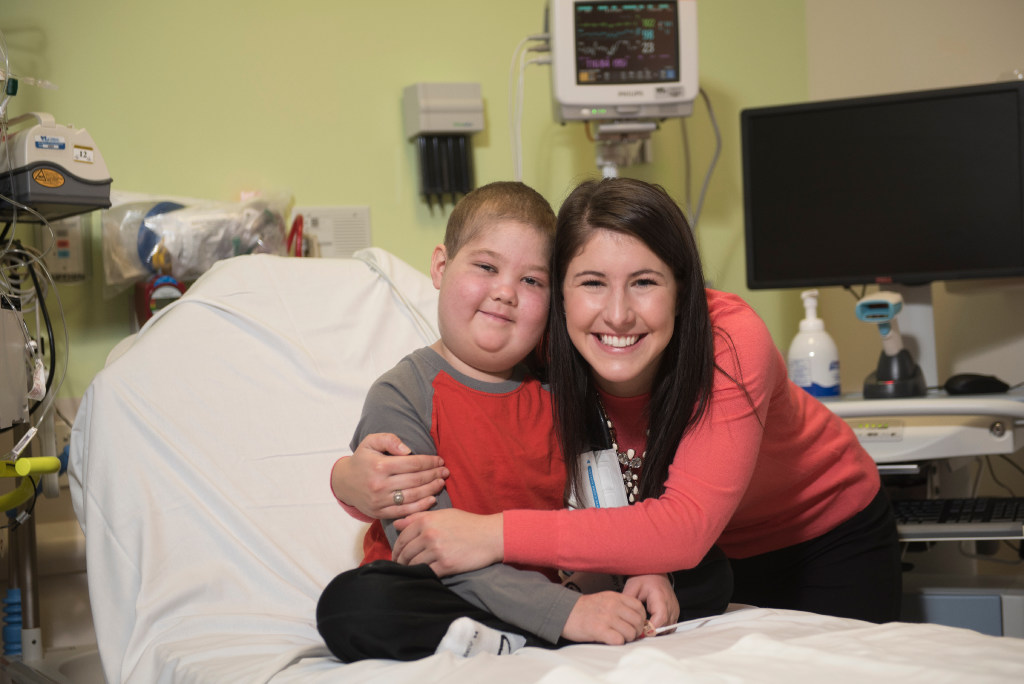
(717, 445)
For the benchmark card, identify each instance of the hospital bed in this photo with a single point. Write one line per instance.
(199, 472)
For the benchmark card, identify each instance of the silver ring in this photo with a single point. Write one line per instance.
(398, 497)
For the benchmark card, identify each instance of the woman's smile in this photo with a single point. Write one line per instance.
(618, 341)
(620, 306)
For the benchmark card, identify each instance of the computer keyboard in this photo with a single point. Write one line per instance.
(968, 518)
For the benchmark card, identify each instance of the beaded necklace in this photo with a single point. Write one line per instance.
(629, 462)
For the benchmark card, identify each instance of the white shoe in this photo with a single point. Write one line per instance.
(467, 637)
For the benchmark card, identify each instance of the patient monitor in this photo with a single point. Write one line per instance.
(624, 66)
(623, 60)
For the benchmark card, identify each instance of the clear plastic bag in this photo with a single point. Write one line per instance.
(184, 240)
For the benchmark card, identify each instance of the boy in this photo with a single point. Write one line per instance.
(469, 399)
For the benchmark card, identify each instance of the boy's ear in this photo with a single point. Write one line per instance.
(438, 262)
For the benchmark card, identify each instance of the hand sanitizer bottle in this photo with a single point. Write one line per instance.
(813, 358)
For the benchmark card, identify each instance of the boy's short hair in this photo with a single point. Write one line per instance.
(499, 201)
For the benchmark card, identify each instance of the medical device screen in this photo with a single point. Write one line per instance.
(906, 188)
(625, 42)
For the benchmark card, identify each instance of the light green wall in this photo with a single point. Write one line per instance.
(210, 99)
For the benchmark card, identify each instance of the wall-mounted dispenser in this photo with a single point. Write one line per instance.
(440, 117)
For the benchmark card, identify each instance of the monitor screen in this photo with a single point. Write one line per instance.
(623, 60)
(625, 42)
(906, 188)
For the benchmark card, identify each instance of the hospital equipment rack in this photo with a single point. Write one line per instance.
(901, 433)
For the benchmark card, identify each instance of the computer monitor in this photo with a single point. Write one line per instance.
(897, 190)
(623, 60)
(906, 188)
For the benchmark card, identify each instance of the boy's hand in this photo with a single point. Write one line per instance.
(607, 617)
(450, 541)
(381, 466)
(656, 593)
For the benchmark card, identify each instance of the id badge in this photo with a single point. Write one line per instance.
(601, 481)
(602, 487)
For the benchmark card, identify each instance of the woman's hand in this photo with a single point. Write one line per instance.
(656, 593)
(607, 617)
(381, 465)
(450, 541)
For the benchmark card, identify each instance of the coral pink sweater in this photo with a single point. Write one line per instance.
(757, 474)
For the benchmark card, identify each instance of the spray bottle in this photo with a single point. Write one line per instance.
(813, 359)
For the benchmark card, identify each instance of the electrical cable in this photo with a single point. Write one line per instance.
(519, 117)
(995, 478)
(16, 520)
(962, 546)
(54, 386)
(858, 297)
(512, 95)
(64, 419)
(28, 301)
(6, 65)
(425, 328)
(695, 218)
(41, 307)
(1011, 462)
(514, 104)
(515, 96)
(687, 167)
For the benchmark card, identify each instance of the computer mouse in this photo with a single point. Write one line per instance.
(974, 383)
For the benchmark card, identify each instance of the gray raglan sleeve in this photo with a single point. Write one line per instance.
(522, 598)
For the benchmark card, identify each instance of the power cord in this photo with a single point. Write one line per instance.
(516, 80)
(694, 216)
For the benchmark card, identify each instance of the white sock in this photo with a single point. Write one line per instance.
(467, 637)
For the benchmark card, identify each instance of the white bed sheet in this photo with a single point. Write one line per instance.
(199, 472)
(747, 645)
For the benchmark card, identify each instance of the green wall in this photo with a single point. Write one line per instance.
(212, 99)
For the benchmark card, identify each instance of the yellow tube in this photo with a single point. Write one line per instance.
(36, 464)
(29, 465)
(19, 496)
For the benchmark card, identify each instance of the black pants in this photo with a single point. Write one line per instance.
(387, 610)
(853, 571)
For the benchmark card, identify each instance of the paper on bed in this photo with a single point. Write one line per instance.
(200, 456)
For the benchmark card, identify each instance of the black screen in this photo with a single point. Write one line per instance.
(906, 188)
(626, 42)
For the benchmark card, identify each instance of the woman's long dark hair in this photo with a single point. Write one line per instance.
(682, 386)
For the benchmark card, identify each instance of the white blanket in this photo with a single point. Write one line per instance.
(199, 472)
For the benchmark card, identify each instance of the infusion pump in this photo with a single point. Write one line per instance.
(55, 169)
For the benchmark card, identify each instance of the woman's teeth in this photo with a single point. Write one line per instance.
(619, 340)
